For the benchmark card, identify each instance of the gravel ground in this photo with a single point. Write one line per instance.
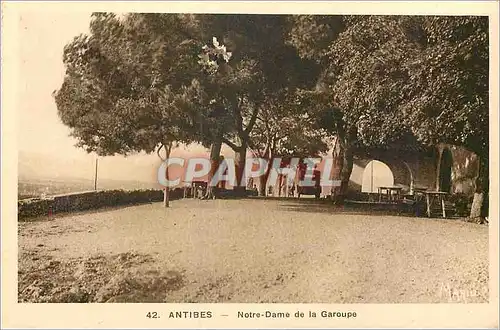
(251, 251)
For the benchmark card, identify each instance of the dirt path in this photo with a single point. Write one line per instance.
(251, 251)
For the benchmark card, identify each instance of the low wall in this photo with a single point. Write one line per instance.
(89, 200)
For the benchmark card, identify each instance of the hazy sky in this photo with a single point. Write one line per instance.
(45, 148)
(41, 71)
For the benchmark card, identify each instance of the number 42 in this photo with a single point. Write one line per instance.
(152, 315)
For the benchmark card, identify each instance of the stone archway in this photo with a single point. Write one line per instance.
(376, 174)
(403, 175)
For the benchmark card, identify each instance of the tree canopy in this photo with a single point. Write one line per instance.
(278, 84)
(402, 79)
(400, 82)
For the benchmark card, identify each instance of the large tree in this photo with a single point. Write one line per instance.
(448, 89)
(261, 66)
(125, 85)
(402, 82)
(140, 81)
(424, 75)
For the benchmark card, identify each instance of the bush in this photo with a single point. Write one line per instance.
(462, 204)
(35, 207)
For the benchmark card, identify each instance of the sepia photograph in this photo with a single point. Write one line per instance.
(253, 158)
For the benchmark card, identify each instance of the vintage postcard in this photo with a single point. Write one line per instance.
(250, 164)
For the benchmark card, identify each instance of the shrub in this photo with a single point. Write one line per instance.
(462, 204)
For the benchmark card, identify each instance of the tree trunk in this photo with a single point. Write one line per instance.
(346, 163)
(262, 187)
(280, 184)
(264, 177)
(240, 160)
(214, 164)
(479, 211)
(166, 196)
(166, 191)
(337, 168)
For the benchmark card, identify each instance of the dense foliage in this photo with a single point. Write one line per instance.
(279, 85)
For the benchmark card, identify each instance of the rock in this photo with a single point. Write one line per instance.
(74, 295)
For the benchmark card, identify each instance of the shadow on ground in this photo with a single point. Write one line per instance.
(353, 208)
(327, 206)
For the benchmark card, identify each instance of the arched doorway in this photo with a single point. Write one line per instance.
(445, 171)
(376, 174)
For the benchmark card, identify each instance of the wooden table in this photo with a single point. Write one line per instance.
(431, 196)
(388, 191)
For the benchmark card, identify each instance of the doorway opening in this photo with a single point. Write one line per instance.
(376, 174)
(445, 171)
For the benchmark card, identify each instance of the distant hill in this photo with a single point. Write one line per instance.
(57, 174)
(28, 188)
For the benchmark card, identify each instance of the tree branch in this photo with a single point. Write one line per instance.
(252, 121)
(234, 103)
(168, 149)
(158, 151)
(231, 144)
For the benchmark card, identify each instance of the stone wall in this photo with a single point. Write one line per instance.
(409, 173)
(464, 168)
(424, 171)
(89, 200)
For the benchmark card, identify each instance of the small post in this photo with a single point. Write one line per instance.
(428, 200)
(95, 176)
(443, 206)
